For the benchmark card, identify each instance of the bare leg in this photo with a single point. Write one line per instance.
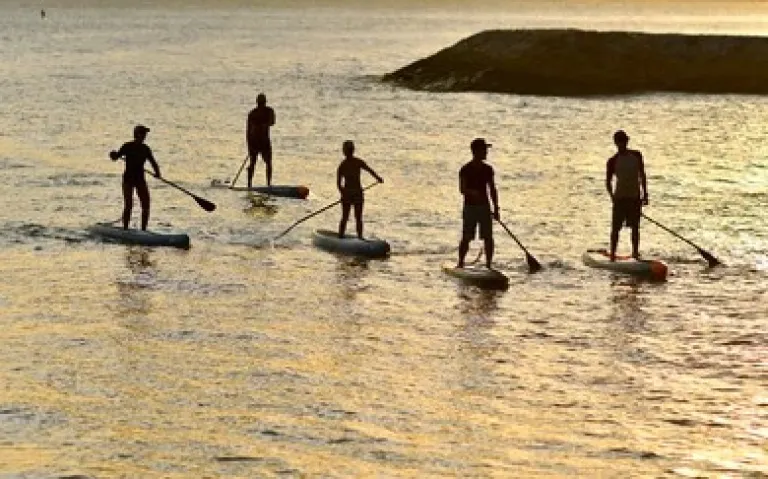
(250, 170)
(143, 192)
(636, 242)
(488, 252)
(614, 242)
(344, 217)
(266, 155)
(463, 249)
(359, 219)
(127, 203)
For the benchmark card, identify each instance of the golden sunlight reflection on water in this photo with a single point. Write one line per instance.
(250, 357)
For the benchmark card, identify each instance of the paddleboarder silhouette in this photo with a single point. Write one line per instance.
(348, 183)
(476, 182)
(136, 153)
(257, 126)
(630, 194)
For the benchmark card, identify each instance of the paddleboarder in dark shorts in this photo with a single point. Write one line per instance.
(348, 183)
(630, 194)
(260, 120)
(475, 183)
(136, 153)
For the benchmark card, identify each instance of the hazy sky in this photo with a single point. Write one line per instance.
(699, 7)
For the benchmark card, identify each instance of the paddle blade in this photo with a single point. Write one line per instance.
(205, 204)
(710, 259)
(533, 265)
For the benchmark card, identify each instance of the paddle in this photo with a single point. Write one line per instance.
(315, 214)
(232, 185)
(204, 204)
(533, 265)
(707, 256)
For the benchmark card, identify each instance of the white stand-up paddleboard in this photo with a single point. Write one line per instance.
(653, 269)
(479, 276)
(351, 245)
(287, 191)
(133, 236)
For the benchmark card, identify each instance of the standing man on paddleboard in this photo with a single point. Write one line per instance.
(136, 153)
(475, 183)
(348, 183)
(628, 199)
(257, 126)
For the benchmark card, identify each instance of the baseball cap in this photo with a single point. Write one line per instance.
(140, 129)
(479, 143)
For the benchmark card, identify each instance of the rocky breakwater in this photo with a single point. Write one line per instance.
(586, 63)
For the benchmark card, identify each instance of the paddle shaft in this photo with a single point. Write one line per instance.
(232, 185)
(205, 204)
(708, 256)
(315, 214)
(533, 264)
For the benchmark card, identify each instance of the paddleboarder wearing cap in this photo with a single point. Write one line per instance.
(257, 126)
(476, 183)
(348, 183)
(630, 193)
(136, 153)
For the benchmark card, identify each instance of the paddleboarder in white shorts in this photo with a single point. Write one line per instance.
(136, 153)
(257, 126)
(630, 194)
(475, 183)
(348, 183)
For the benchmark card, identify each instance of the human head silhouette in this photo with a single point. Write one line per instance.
(479, 148)
(620, 138)
(140, 132)
(348, 148)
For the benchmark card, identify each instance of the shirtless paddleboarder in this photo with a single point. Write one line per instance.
(136, 153)
(350, 188)
(630, 194)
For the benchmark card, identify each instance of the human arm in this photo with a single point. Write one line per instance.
(609, 171)
(248, 132)
(339, 177)
(373, 173)
(643, 180)
(272, 117)
(153, 162)
(494, 196)
(115, 155)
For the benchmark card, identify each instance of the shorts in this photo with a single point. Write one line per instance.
(355, 199)
(626, 211)
(263, 148)
(137, 181)
(474, 216)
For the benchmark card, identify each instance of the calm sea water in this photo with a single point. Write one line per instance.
(243, 357)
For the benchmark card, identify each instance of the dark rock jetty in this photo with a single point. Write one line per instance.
(589, 63)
